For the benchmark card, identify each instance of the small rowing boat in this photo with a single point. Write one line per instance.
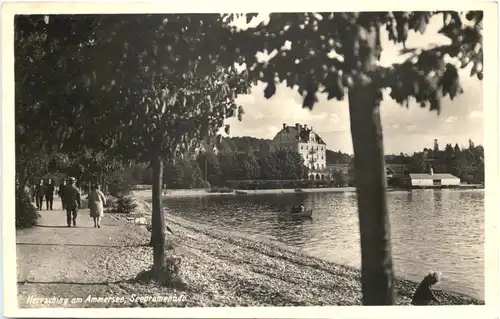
(241, 192)
(306, 213)
(299, 213)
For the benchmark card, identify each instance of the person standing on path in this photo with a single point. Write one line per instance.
(97, 200)
(39, 193)
(60, 192)
(49, 194)
(72, 201)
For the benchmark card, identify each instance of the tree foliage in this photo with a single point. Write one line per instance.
(210, 168)
(355, 37)
(338, 157)
(53, 104)
(183, 174)
(49, 87)
(164, 95)
(340, 178)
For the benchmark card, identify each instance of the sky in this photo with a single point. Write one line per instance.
(406, 130)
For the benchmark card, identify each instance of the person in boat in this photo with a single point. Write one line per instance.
(299, 208)
(423, 295)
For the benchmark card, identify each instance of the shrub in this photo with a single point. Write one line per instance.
(110, 202)
(122, 205)
(121, 182)
(26, 214)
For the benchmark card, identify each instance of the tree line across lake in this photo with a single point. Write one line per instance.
(249, 159)
(466, 162)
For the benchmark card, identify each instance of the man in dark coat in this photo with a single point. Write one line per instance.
(72, 201)
(60, 192)
(39, 193)
(49, 194)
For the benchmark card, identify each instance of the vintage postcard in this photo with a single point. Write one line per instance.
(298, 160)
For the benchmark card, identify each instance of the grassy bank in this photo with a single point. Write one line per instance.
(227, 269)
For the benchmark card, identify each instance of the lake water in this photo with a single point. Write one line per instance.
(439, 230)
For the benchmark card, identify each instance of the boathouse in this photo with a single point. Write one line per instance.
(430, 180)
(434, 180)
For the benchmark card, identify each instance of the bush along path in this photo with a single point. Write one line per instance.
(214, 268)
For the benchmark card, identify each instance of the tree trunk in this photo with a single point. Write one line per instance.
(158, 219)
(376, 260)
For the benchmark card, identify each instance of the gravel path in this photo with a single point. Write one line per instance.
(219, 269)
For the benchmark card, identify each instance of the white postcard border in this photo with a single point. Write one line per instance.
(490, 85)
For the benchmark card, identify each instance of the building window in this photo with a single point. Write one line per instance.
(436, 182)
(302, 147)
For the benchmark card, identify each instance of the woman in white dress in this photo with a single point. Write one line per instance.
(96, 201)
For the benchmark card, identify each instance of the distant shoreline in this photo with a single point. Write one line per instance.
(177, 193)
(204, 192)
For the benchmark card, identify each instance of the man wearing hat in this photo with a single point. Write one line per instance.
(72, 201)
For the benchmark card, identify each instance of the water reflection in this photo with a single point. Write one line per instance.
(431, 229)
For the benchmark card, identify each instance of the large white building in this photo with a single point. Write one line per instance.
(307, 143)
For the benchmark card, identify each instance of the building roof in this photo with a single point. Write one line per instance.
(435, 176)
(302, 134)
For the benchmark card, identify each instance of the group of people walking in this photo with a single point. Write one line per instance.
(71, 200)
(44, 191)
